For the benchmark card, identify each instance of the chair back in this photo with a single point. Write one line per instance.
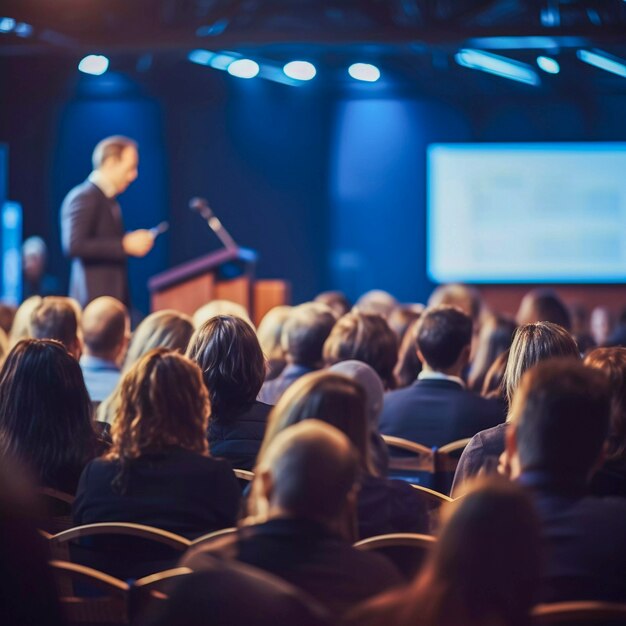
(580, 614)
(58, 508)
(212, 536)
(153, 590)
(410, 461)
(244, 477)
(407, 551)
(446, 459)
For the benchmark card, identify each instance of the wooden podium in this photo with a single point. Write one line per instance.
(227, 274)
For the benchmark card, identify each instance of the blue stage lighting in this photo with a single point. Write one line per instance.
(7, 24)
(364, 71)
(95, 64)
(243, 68)
(498, 65)
(22, 29)
(548, 64)
(201, 57)
(603, 61)
(300, 70)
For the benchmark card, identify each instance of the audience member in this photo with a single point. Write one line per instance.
(370, 381)
(366, 338)
(532, 343)
(229, 355)
(163, 329)
(402, 318)
(437, 409)
(35, 280)
(336, 300)
(384, 505)
(56, 318)
(307, 481)
(494, 338)
(580, 327)
(460, 296)
(543, 305)
(220, 307)
(618, 335)
(610, 479)
(302, 340)
(601, 325)
(158, 471)
(106, 332)
(559, 424)
(7, 315)
(45, 413)
(20, 329)
(269, 332)
(408, 365)
(376, 302)
(470, 579)
(493, 383)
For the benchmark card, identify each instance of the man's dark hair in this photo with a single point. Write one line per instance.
(55, 318)
(442, 334)
(561, 414)
(233, 367)
(305, 332)
(104, 325)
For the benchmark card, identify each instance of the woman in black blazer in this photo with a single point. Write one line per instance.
(158, 471)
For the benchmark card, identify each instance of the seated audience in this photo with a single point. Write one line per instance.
(158, 471)
(483, 571)
(163, 329)
(494, 338)
(532, 343)
(370, 381)
(20, 328)
(438, 409)
(336, 300)
(106, 331)
(384, 505)
(220, 307)
(269, 332)
(601, 324)
(302, 340)
(460, 296)
(56, 318)
(45, 413)
(610, 479)
(367, 338)
(543, 305)
(618, 334)
(402, 318)
(229, 355)
(307, 481)
(376, 302)
(408, 365)
(559, 424)
(36, 282)
(493, 383)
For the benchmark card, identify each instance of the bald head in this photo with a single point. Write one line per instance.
(308, 470)
(105, 328)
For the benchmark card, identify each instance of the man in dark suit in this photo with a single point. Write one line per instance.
(306, 488)
(92, 230)
(559, 423)
(438, 409)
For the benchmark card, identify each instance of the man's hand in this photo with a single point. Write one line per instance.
(138, 242)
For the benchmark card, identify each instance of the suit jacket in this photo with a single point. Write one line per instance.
(434, 412)
(584, 539)
(91, 235)
(176, 490)
(238, 437)
(308, 556)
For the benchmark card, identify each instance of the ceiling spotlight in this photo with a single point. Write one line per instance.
(548, 64)
(7, 24)
(300, 70)
(95, 64)
(603, 61)
(497, 65)
(243, 68)
(364, 71)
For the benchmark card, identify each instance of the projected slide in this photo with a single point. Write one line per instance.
(535, 212)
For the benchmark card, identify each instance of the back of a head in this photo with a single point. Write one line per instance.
(376, 302)
(110, 147)
(20, 328)
(408, 366)
(457, 295)
(531, 344)
(270, 330)
(336, 300)
(55, 318)
(561, 417)
(313, 468)
(543, 305)
(366, 338)
(105, 322)
(220, 307)
(305, 331)
(484, 568)
(326, 396)
(45, 412)
(233, 367)
(402, 318)
(161, 401)
(163, 329)
(442, 334)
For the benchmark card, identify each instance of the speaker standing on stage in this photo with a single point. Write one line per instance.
(92, 230)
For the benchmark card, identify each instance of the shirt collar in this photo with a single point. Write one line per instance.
(441, 376)
(100, 181)
(90, 361)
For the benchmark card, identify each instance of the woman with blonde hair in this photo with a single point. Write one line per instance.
(384, 505)
(158, 471)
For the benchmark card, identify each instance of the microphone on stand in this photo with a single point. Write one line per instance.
(201, 206)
